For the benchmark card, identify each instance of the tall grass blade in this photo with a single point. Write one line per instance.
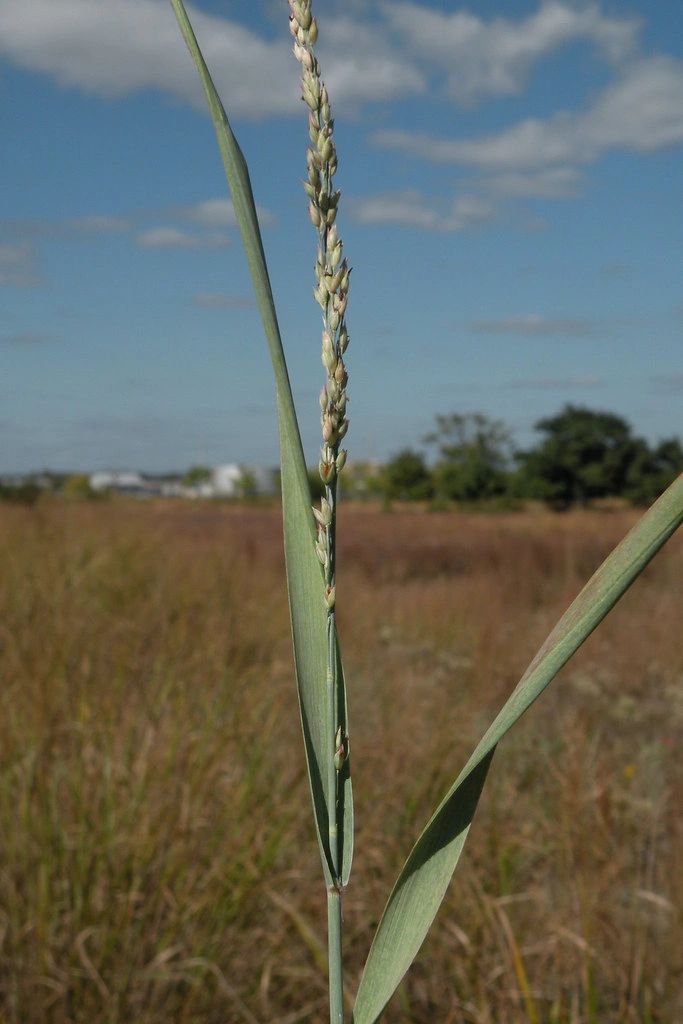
(304, 573)
(422, 883)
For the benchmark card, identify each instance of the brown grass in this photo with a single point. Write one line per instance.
(157, 860)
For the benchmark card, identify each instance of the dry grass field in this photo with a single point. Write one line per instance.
(157, 857)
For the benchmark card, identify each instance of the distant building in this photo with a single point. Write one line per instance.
(124, 482)
(225, 481)
(172, 489)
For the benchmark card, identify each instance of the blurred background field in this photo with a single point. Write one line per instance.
(157, 861)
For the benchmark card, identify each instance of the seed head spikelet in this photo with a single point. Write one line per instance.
(331, 293)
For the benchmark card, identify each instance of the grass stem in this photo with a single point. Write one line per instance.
(334, 952)
(332, 773)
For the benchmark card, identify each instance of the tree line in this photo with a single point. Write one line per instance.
(581, 455)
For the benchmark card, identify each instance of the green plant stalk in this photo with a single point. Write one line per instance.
(331, 293)
(332, 773)
(308, 611)
(334, 896)
(334, 955)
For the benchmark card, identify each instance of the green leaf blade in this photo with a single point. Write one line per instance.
(423, 881)
(304, 574)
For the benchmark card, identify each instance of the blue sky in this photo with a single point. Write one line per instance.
(511, 205)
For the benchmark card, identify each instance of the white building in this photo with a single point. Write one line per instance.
(127, 482)
(225, 480)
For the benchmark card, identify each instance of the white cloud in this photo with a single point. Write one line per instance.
(18, 265)
(99, 224)
(407, 208)
(535, 324)
(469, 211)
(642, 112)
(112, 49)
(547, 183)
(212, 213)
(219, 213)
(208, 215)
(410, 209)
(204, 228)
(117, 48)
(166, 236)
(360, 64)
(495, 57)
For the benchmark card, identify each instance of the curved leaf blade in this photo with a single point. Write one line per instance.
(423, 881)
(304, 574)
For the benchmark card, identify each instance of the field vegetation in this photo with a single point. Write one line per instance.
(157, 861)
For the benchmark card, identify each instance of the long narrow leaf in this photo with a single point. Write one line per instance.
(304, 578)
(422, 883)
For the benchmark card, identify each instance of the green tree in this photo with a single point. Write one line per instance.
(247, 485)
(584, 454)
(652, 470)
(407, 478)
(77, 487)
(26, 493)
(362, 480)
(197, 475)
(317, 487)
(474, 455)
